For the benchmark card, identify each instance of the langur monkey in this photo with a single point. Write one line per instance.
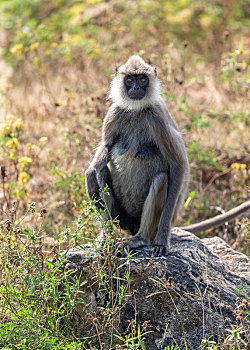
(141, 158)
(143, 161)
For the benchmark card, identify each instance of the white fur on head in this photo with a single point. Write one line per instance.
(118, 93)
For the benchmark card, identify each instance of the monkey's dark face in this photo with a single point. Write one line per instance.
(136, 86)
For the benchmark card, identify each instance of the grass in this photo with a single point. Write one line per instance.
(41, 306)
(46, 304)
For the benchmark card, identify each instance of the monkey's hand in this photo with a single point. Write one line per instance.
(92, 185)
(161, 245)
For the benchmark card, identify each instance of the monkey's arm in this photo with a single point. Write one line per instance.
(102, 156)
(99, 161)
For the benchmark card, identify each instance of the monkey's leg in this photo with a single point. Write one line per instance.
(113, 209)
(151, 212)
(161, 241)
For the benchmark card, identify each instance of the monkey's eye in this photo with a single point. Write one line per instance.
(143, 81)
(128, 80)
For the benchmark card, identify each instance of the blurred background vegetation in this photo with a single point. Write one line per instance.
(57, 60)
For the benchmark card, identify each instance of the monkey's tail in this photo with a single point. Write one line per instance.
(219, 219)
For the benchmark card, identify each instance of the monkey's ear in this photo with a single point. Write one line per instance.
(116, 70)
(155, 71)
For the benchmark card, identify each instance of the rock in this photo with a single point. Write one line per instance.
(236, 262)
(187, 296)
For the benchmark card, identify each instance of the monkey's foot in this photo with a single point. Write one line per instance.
(161, 245)
(160, 251)
(131, 243)
(159, 248)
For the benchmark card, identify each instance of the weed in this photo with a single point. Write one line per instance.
(40, 299)
(202, 158)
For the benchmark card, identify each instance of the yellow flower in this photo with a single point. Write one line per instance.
(34, 46)
(71, 95)
(48, 52)
(54, 45)
(238, 166)
(13, 143)
(13, 242)
(61, 103)
(18, 125)
(43, 141)
(4, 86)
(7, 126)
(31, 147)
(93, 2)
(16, 48)
(12, 156)
(25, 162)
(239, 172)
(23, 178)
(20, 193)
(4, 129)
(10, 117)
(235, 165)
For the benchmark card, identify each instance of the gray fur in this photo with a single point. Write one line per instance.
(142, 159)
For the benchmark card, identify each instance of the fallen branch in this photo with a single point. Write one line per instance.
(219, 219)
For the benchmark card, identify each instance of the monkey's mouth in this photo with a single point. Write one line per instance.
(136, 97)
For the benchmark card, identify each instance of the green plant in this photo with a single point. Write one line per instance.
(32, 304)
(236, 336)
(39, 299)
(198, 122)
(134, 340)
(235, 68)
(36, 29)
(199, 158)
(72, 185)
(208, 344)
